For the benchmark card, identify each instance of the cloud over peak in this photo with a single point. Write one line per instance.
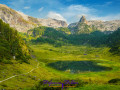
(40, 9)
(26, 7)
(55, 15)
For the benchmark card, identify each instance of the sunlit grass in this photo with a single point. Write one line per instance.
(46, 53)
(97, 87)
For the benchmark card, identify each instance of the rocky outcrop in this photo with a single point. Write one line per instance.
(99, 25)
(15, 19)
(81, 27)
(52, 23)
(83, 20)
(105, 25)
(23, 22)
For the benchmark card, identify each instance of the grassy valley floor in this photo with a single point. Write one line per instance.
(46, 54)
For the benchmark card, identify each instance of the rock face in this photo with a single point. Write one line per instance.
(52, 23)
(105, 25)
(99, 25)
(23, 22)
(83, 20)
(16, 19)
(81, 27)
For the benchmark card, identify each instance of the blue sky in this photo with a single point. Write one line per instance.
(68, 10)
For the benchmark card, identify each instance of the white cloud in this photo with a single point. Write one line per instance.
(106, 18)
(108, 3)
(26, 7)
(70, 13)
(55, 15)
(104, 4)
(40, 9)
(95, 17)
(73, 12)
(17, 3)
(79, 8)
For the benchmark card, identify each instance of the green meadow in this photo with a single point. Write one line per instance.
(45, 54)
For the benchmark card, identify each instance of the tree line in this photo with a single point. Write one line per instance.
(12, 46)
(59, 37)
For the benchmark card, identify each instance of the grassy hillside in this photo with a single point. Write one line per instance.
(49, 54)
(49, 35)
(12, 45)
(62, 36)
(58, 55)
(46, 53)
(114, 42)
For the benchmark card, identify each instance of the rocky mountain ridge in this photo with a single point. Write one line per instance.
(98, 24)
(83, 20)
(23, 22)
(81, 27)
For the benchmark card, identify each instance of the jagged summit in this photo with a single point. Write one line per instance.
(99, 24)
(83, 20)
(3, 5)
(82, 27)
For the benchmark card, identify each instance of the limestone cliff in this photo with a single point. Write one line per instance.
(81, 26)
(99, 25)
(23, 22)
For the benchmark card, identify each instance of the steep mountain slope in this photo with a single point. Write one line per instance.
(11, 44)
(23, 22)
(114, 41)
(52, 23)
(81, 27)
(83, 20)
(105, 25)
(100, 25)
(49, 35)
(15, 19)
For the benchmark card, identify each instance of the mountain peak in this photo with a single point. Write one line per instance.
(3, 5)
(83, 20)
(22, 22)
